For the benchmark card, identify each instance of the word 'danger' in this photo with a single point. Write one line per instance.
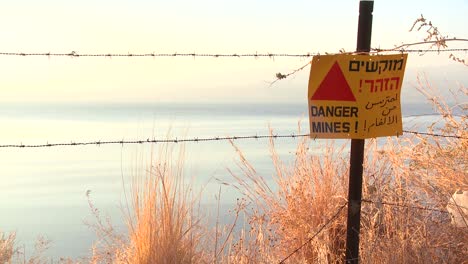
(356, 96)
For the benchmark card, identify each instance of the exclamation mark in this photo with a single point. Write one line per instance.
(365, 125)
(356, 126)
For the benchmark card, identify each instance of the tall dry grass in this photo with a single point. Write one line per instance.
(402, 179)
(161, 215)
(422, 171)
(306, 193)
(408, 182)
(7, 247)
(11, 253)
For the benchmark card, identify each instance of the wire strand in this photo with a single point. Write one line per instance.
(176, 140)
(197, 140)
(426, 208)
(433, 134)
(74, 54)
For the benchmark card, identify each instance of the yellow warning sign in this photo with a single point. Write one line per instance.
(356, 96)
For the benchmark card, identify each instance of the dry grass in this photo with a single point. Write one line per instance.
(401, 177)
(306, 194)
(7, 245)
(10, 253)
(162, 223)
(422, 171)
(408, 173)
(408, 183)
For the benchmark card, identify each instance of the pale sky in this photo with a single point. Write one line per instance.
(205, 26)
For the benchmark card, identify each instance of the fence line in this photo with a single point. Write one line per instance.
(183, 140)
(433, 134)
(176, 140)
(420, 50)
(426, 208)
(75, 54)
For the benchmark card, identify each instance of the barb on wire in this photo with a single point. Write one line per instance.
(426, 208)
(330, 220)
(280, 76)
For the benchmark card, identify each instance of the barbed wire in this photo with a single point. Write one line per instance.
(176, 140)
(423, 50)
(75, 54)
(433, 134)
(431, 115)
(426, 208)
(330, 220)
(184, 140)
(404, 47)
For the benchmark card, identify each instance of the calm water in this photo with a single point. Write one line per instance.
(42, 191)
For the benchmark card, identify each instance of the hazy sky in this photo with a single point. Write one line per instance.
(204, 26)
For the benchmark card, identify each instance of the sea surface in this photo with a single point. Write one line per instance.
(43, 190)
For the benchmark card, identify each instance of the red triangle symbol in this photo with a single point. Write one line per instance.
(334, 87)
